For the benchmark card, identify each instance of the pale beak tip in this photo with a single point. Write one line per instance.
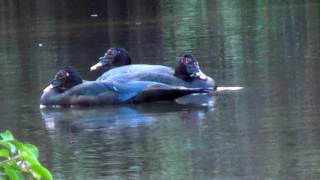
(48, 88)
(96, 66)
(92, 68)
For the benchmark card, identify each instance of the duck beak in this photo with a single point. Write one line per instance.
(103, 62)
(48, 88)
(96, 66)
(55, 83)
(200, 75)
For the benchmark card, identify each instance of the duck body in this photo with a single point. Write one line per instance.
(105, 93)
(91, 93)
(187, 73)
(153, 73)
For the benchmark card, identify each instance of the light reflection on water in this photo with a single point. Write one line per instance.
(269, 129)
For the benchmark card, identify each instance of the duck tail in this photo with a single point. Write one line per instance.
(231, 88)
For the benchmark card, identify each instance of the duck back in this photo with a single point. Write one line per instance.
(134, 70)
(160, 74)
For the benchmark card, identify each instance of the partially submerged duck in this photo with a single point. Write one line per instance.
(68, 89)
(187, 72)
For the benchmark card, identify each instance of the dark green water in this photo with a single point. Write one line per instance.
(269, 130)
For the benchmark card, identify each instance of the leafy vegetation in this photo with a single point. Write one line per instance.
(20, 160)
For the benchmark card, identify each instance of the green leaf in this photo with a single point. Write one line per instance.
(41, 171)
(32, 149)
(4, 153)
(23, 159)
(9, 146)
(37, 169)
(7, 136)
(27, 150)
(13, 174)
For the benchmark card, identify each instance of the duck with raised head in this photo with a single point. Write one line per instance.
(187, 72)
(67, 89)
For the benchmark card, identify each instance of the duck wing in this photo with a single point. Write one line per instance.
(130, 70)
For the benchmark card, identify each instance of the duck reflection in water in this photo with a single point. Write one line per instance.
(121, 117)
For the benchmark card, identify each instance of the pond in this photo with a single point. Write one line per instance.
(268, 130)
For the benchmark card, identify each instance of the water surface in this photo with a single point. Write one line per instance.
(269, 130)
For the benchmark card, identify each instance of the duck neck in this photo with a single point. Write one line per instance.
(121, 60)
(182, 74)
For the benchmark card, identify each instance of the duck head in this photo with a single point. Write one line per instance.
(113, 57)
(188, 69)
(65, 79)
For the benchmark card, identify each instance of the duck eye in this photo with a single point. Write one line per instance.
(62, 75)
